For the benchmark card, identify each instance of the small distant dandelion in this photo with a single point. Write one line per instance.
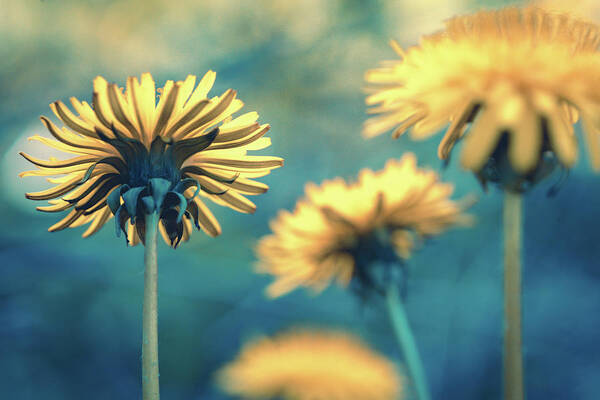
(135, 156)
(340, 230)
(361, 233)
(305, 365)
(512, 82)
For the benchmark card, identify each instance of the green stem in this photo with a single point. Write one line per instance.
(513, 356)
(407, 343)
(150, 388)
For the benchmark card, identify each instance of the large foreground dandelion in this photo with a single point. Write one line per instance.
(305, 365)
(360, 233)
(136, 157)
(512, 83)
(145, 164)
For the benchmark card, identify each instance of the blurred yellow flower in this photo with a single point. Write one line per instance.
(135, 156)
(522, 77)
(340, 229)
(308, 365)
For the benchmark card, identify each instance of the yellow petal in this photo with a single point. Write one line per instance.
(525, 141)
(201, 91)
(562, 140)
(207, 220)
(480, 141)
(100, 219)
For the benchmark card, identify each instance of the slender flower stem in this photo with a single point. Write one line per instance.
(513, 356)
(150, 388)
(407, 343)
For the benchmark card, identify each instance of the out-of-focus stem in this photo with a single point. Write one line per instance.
(407, 343)
(513, 356)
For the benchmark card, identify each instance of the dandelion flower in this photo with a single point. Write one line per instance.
(512, 82)
(306, 365)
(340, 230)
(135, 156)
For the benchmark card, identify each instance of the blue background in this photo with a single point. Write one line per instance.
(70, 308)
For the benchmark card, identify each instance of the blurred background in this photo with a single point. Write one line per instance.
(70, 308)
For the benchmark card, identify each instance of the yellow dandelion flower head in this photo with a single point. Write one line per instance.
(518, 78)
(135, 156)
(341, 230)
(306, 365)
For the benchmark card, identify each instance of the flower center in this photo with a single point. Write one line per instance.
(499, 170)
(377, 264)
(148, 165)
